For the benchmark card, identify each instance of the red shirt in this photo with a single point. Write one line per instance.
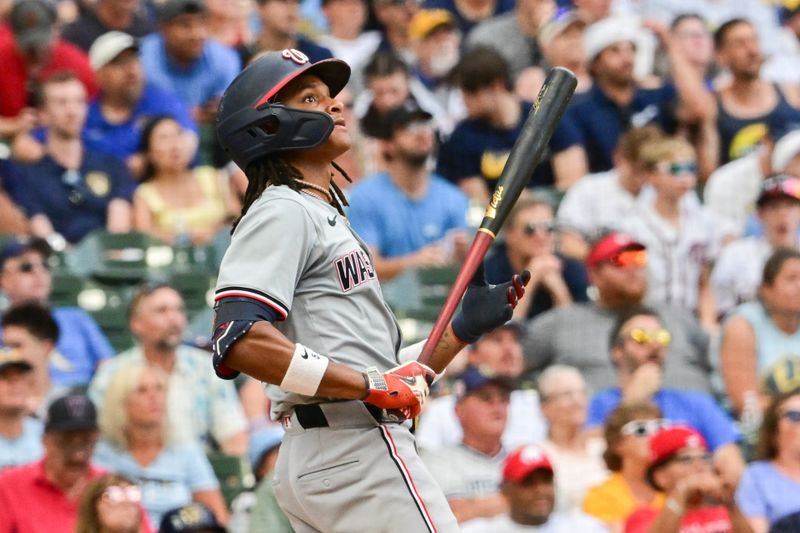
(29, 503)
(703, 520)
(13, 90)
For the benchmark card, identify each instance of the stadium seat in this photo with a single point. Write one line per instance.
(233, 473)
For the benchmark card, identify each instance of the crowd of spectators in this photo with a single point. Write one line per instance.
(649, 380)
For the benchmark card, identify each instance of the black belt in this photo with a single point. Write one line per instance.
(311, 416)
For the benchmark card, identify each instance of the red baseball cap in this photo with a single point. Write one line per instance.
(611, 245)
(669, 441)
(524, 461)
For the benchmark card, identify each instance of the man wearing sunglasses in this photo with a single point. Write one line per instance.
(638, 343)
(25, 277)
(576, 334)
(530, 245)
(698, 498)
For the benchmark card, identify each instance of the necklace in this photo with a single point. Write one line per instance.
(321, 190)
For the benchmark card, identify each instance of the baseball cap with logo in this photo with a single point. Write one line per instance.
(475, 378)
(427, 20)
(190, 518)
(524, 461)
(71, 412)
(667, 442)
(778, 186)
(12, 359)
(610, 247)
(173, 8)
(32, 22)
(108, 47)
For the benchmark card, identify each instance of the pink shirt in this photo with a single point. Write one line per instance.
(29, 503)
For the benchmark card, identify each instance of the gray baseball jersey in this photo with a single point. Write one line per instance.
(299, 256)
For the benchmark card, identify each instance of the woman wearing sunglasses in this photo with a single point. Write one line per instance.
(112, 504)
(760, 335)
(627, 432)
(682, 239)
(770, 487)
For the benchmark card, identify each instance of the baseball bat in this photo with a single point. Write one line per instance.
(525, 155)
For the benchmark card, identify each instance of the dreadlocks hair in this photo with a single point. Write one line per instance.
(272, 170)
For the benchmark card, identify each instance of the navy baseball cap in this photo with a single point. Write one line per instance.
(402, 116)
(190, 518)
(173, 8)
(475, 378)
(19, 245)
(71, 413)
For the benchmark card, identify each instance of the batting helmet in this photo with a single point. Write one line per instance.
(250, 124)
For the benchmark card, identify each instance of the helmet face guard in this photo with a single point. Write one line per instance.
(250, 125)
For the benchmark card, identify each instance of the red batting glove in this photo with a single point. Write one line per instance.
(404, 388)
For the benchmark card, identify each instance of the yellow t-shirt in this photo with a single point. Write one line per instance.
(207, 214)
(612, 501)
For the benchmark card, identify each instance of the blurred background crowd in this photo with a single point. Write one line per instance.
(650, 378)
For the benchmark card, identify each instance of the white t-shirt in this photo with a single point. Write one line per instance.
(731, 191)
(737, 273)
(676, 256)
(558, 523)
(439, 427)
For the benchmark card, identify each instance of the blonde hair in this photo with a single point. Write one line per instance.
(659, 150)
(113, 417)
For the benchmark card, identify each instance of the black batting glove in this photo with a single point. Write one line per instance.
(486, 307)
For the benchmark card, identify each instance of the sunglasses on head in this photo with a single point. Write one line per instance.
(782, 184)
(628, 258)
(117, 494)
(791, 415)
(641, 336)
(544, 227)
(644, 428)
(678, 168)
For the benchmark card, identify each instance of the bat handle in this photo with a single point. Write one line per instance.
(476, 253)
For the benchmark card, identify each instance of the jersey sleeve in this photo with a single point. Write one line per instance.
(268, 254)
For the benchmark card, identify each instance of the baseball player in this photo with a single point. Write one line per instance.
(298, 306)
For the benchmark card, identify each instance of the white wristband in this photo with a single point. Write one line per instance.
(305, 371)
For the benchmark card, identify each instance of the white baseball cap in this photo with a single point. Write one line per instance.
(108, 46)
(785, 149)
(608, 31)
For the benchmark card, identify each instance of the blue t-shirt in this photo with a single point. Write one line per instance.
(396, 225)
(596, 122)
(502, 6)
(695, 409)
(498, 270)
(168, 482)
(201, 82)
(476, 148)
(122, 140)
(82, 343)
(765, 492)
(75, 202)
(26, 448)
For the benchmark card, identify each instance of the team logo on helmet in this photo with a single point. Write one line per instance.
(295, 55)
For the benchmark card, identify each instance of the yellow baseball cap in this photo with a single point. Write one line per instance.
(427, 20)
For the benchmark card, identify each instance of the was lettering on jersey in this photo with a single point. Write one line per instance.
(354, 269)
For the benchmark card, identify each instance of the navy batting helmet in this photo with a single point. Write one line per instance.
(250, 124)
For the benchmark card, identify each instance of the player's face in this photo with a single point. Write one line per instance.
(500, 351)
(15, 387)
(160, 320)
(635, 349)
(565, 401)
(65, 108)
(531, 234)
(741, 52)
(531, 500)
(310, 93)
(783, 294)
(781, 219)
(26, 277)
(147, 402)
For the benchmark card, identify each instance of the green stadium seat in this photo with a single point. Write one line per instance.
(109, 307)
(233, 473)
